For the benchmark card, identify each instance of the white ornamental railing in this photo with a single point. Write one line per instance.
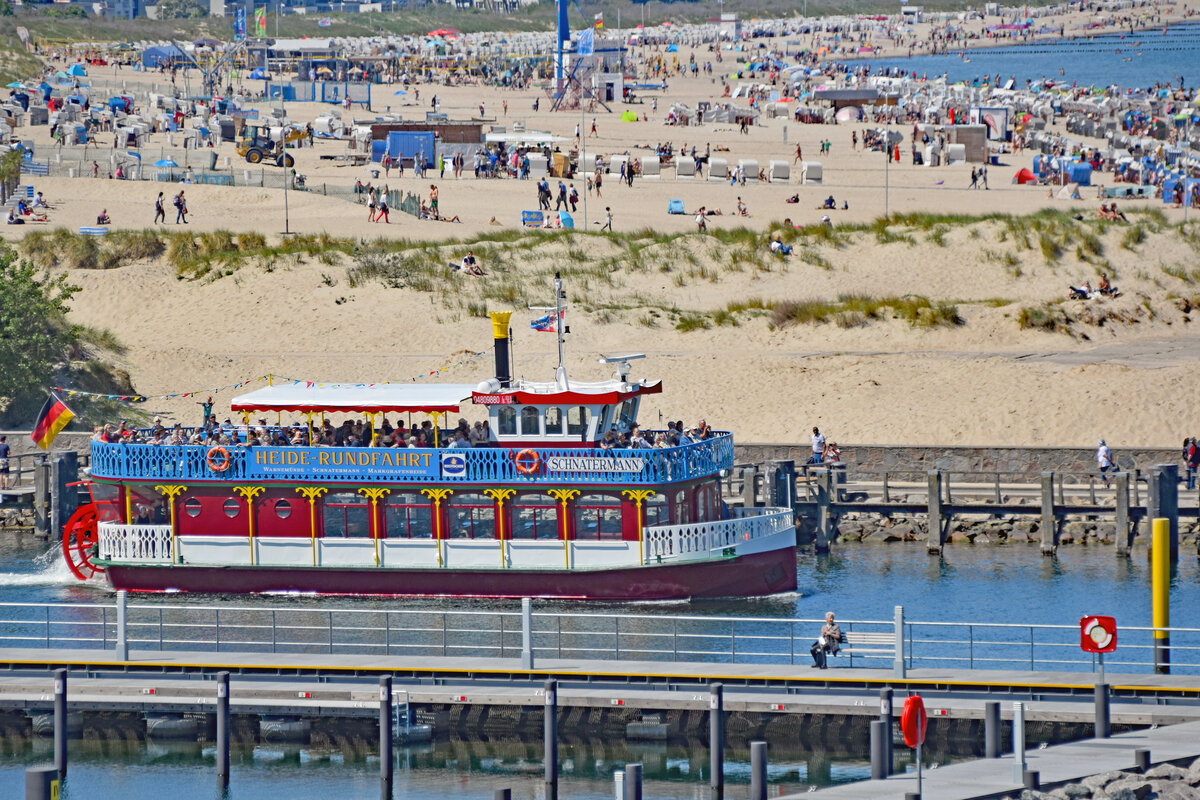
(699, 540)
(135, 543)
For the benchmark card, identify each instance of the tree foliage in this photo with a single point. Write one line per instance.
(40, 348)
(180, 9)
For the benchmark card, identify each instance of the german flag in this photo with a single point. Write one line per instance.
(53, 417)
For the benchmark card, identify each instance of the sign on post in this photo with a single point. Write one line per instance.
(1097, 634)
(913, 722)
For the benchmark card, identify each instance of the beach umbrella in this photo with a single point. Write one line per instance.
(165, 163)
(399, 91)
(16, 85)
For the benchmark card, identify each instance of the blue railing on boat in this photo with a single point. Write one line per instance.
(375, 465)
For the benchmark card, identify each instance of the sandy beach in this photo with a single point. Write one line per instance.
(1125, 375)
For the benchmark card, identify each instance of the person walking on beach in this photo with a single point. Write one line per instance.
(607, 220)
(371, 205)
(383, 210)
(433, 201)
(983, 176)
(573, 198)
(160, 209)
(799, 155)
(598, 181)
(180, 208)
(974, 179)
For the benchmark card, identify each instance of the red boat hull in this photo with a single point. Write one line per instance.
(743, 576)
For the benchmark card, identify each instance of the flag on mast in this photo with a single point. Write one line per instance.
(599, 20)
(547, 324)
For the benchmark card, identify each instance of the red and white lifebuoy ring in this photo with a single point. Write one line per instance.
(218, 459)
(527, 461)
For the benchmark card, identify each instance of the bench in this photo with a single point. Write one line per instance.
(93, 230)
(862, 643)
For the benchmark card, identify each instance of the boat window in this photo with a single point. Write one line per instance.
(626, 415)
(577, 421)
(683, 514)
(597, 516)
(656, 511)
(346, 516)
(506, 421)
(554, 421)
(472, 516)
(191, 507)
(408, 516)
(283, 509)
(232, 507)
(534, 516)
(529, 421)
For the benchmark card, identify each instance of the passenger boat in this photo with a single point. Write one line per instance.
(542, 511)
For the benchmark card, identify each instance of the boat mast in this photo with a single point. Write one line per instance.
(560, 330)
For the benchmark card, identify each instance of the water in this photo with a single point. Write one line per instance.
(117, 769)
(986, 583)
(1136, 61)
(980, 583)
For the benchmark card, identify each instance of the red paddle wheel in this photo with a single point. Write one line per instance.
(80, 533)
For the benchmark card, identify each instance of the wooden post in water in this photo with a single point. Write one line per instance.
(825, 532)
(1124, 535)
(937, 531)
(1049, 518)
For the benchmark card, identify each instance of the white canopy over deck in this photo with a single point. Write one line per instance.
(362, 398)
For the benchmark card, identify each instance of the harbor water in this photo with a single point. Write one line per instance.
(1138, 60)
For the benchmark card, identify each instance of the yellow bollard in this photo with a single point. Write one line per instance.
(1160, 585)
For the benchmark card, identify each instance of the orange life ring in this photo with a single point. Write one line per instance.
(218, 459)
(527, 461)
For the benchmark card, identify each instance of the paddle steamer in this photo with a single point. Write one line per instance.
(542, 511)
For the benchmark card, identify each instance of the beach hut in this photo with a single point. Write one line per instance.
(1024, 177)
(685, 168)
(811, 172)
(651, 169)
(779, 172)
(718, 169)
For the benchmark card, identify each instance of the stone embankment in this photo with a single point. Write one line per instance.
(1163, 782)
(872, 528)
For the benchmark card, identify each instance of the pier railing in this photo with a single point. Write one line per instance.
(286, 628)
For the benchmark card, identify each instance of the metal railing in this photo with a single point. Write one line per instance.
(598, 636)
(388, 465)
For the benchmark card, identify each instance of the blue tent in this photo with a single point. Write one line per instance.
(672, 48)
(1079, 172)
(258, 74)
(159, 55)
(77, 70)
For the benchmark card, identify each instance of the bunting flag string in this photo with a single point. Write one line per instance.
(142, 398)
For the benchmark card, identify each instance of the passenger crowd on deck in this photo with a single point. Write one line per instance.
(357, 432)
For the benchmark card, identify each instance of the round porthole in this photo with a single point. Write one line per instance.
(232, 508)
(283, 509)
(191, 507)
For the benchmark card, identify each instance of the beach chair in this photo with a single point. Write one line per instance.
(685, 168)
(531, 219)
(675, 207)
(566, 220)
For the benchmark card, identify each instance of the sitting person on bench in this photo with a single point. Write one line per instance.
(829, 642)
(102, 218)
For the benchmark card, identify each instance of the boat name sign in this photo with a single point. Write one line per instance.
(594, 464)
(275, 462)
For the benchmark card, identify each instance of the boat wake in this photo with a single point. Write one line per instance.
(50, 569)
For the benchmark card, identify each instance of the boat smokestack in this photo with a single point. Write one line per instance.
(500, 342)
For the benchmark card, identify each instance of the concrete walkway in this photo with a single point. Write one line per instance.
(1064, 763)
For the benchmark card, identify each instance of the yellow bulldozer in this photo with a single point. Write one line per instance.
(261, 143)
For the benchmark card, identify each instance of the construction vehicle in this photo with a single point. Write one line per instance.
(261, 143)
